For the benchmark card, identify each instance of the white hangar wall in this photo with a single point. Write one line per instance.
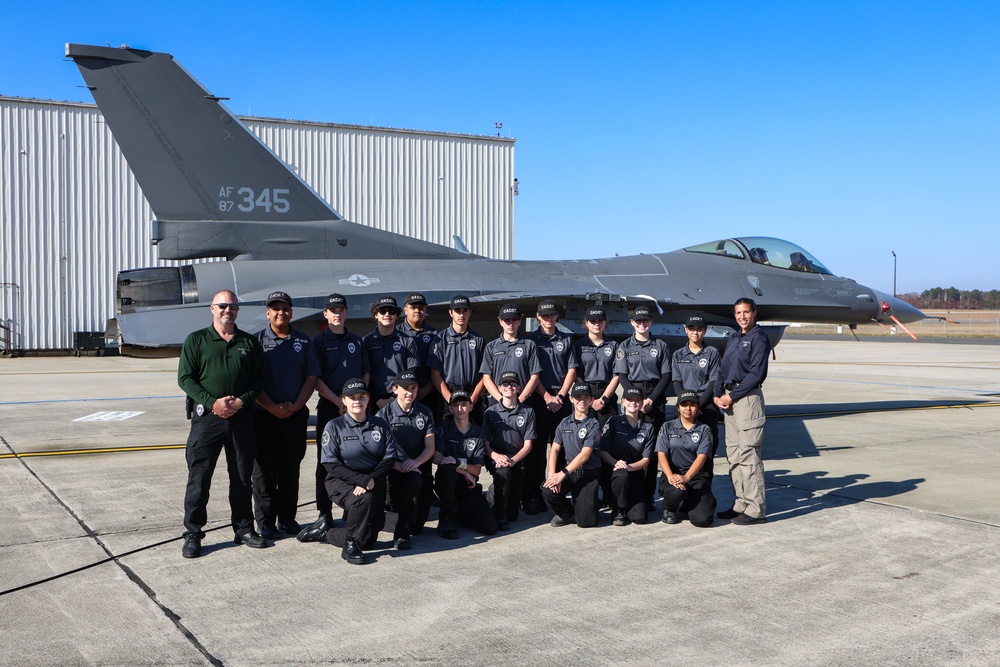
(72, 214)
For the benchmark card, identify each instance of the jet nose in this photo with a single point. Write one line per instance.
(903, 311)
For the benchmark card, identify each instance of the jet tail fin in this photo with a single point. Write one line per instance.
(215, 188)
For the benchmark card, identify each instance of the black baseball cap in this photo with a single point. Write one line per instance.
(510, 376)
(642, 313)
(595, 313)
(548, 307)
(460, 301)
(696, 321)
(336, 300)
(510, 310)
(581, 389)
(459, 395)
(386, 302)
(404, 378)
(278, 296)
(415, 297)
(632, 393)
(354, 386)
(688, 396)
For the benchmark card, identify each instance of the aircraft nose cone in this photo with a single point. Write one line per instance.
(903, 311)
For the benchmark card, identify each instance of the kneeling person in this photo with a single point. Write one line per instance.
(626, 449)
(461, 448)
(578, 435)
(413, 432)
(510, 430)
(358, 453)
(683, 449)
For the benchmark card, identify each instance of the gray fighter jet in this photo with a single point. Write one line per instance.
(217, 191)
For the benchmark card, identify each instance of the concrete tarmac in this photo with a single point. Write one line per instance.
(881, 547)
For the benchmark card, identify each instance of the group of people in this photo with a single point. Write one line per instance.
(408, 411)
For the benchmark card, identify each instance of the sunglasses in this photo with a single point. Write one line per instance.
(387, 311)
(226, 306)
(511, 320)
(510, 384)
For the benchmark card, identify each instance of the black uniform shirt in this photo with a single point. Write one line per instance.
(388, 356)
(290, 360)
(471, 445)
(744, 362)
(626, 443)
(507, 429)
(458, 357)
(597, 362)
(696, 372)
(357, 452)
(502, 355)
(573, 435)
(341, 357)
(682, 447)
(409, 429)
(424, 340)
(556, 356)
(643, 361)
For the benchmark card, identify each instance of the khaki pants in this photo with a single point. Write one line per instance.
(744, 437)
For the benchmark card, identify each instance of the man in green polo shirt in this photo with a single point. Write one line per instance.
(221, 369)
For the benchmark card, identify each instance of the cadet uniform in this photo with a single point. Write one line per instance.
(682, 447)
(355, 454)
(341, 357)
(423, 340)
(623, 442)
(388, 355)
(210, 368)
(458, 501)
(699, 372)
(458, 357)
(409, 431)
(507, 429)
(597, 367)
(281, 443)
(742, 372)
(573, 436)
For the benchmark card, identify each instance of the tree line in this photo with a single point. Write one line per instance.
(953, 298)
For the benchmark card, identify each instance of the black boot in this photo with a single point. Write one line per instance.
(352, 553)
(316, 531)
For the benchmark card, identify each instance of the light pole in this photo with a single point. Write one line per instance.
(893, 272)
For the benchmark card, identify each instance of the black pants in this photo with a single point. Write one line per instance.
(546, 422)
(281, 446)
(209, 436)
(404, 491)
(507, 492)
(583, 484)
(462, 504)
(364, 515)
(423, 508)
(325, 412)
(697, 499)
(629, 494)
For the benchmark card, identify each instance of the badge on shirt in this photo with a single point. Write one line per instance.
(582, 433)
(472, 344)
(559, 346)
(518, 352)
(702, 363)
(397, 346)
(607, 352)
(427, 338)
(200, 410)
(420, 423)
(641, 436)
(297, 346)
(470, 445)
(695, 437)
(621, 354)
(519, 421)
(377, 436)
(653, 352)
(351, 348)
(326, 438)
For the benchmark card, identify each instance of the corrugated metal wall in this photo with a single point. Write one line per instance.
(73, 214)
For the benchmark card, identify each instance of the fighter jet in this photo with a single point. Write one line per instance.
(217, 191)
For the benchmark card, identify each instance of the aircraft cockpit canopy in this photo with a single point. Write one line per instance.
(764, 250)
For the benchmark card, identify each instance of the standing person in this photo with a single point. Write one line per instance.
(510, 352)
(423, 335)
(389, 352)
(695, 367)
(461, 448)
(412, 427)
(579, 437)
(457, 356)
(683, 450)
(596, 355)
(358, 453)
(342, 356)
(626, 449)
(221, 369)
(510, 432)
(281, 418)
(643, 362)
(739, 396)
(550, 400)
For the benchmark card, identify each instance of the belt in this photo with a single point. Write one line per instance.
(597, 388)
(646, 384)
(734, 385)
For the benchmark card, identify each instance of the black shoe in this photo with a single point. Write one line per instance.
(744, 520)
(558, 521)
(728, 514)
(290, 527)
(316, 531)
(620, 519)
(503, 525)
(192, 546)
(669, 517)
(530, 508)
(267, 530)
(250, 538)
(352, 553)
(446, 529)
(402, 543)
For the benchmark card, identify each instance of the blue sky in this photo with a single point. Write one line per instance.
(851, 128)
